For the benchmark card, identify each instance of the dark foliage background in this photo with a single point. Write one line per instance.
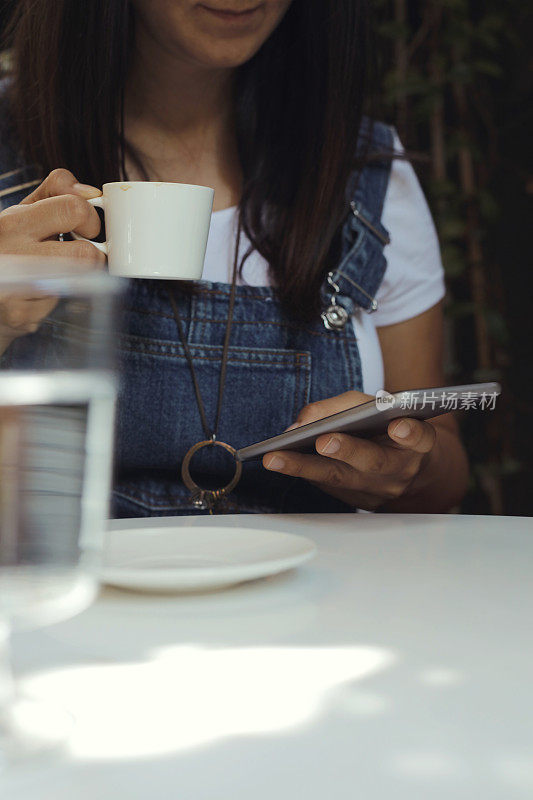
(457, 83)
(456, 79)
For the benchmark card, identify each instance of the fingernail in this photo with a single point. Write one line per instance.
(84, 188)
(331, 446)
(290, 428)
(275, 463)
(402, 430)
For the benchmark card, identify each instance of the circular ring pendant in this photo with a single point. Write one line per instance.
(206, 498)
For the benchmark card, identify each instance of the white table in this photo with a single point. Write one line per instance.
(397, 664)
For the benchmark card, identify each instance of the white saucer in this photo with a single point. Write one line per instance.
(184, 559)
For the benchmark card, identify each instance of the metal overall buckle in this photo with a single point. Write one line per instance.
(335, 316)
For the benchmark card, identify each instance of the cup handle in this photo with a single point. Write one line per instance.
(98, 202)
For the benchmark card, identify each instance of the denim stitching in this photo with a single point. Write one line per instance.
(174, 504)
(290, 325)
(296, 389)
(266, 362)
(348, 360)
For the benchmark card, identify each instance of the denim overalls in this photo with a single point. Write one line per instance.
(276, 366)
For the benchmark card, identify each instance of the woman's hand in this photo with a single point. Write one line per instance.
(57, 205)
(362, 473)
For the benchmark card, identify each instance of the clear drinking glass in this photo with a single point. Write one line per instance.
(57, 398)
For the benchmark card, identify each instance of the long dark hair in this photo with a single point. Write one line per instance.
(299, 109)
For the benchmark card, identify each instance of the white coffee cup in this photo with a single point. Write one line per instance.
(154, 230)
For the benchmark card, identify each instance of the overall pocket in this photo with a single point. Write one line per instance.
(158, 418)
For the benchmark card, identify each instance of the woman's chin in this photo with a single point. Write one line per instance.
(224, 55)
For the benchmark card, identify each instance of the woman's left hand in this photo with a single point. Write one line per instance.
(363, 473)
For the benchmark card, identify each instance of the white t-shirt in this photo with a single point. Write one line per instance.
(413, 281)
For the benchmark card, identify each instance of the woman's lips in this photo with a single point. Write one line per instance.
(231, 16)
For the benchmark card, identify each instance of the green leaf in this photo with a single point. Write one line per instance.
(453, 260)
(496, 325)
(458, 310)
(488, 205)
(487, 68)
(393, 30)
(451, 228)
(442, 189)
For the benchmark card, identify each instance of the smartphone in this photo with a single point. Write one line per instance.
(372, 418)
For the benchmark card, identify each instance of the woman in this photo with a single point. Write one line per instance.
(263, 100)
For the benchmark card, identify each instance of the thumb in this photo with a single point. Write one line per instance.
(412, 434)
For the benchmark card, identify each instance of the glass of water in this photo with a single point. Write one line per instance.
(57, 399)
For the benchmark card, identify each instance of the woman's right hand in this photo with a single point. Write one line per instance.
(31, 228)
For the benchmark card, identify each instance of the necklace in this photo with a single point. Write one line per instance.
(209, 498)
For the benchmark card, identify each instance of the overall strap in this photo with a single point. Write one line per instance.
(362, 265)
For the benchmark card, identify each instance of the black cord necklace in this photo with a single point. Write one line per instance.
(209, 498)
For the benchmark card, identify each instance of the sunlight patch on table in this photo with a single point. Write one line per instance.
(516, 770)
(189, 696)
(427, 764)
(442, 677)
(352, 702)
